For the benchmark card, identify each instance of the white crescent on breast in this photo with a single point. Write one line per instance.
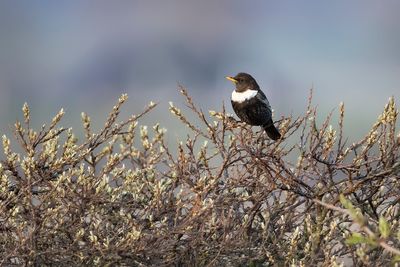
(240, 97)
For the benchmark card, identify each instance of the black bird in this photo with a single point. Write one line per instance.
(251, 105)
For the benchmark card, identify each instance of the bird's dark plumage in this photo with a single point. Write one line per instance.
(251, 105)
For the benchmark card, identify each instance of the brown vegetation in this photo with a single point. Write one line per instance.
(227, 197)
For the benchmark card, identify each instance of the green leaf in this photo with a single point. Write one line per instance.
(356, 238)
(346, 203)
(384, 228)
(355, 214)
(396, 259)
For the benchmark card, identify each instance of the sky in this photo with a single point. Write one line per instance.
(81, 55)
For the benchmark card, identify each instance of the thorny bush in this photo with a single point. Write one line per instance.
(228, 196)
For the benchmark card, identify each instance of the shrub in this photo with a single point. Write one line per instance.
(228, 196)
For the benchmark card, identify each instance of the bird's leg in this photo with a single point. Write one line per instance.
(232, 119)
(236, 123)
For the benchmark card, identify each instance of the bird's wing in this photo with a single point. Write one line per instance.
(261, 96)
(255, 110)
(260, 111)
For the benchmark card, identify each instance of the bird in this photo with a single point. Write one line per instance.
(251, 105)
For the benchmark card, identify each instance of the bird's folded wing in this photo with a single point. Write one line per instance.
(261, 96)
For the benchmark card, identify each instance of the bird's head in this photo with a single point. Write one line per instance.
(243, 82)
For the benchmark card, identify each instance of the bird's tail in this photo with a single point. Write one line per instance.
(271, 130)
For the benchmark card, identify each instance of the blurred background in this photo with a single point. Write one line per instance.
(81, 55)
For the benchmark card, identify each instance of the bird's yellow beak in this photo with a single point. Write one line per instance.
(231, 79)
